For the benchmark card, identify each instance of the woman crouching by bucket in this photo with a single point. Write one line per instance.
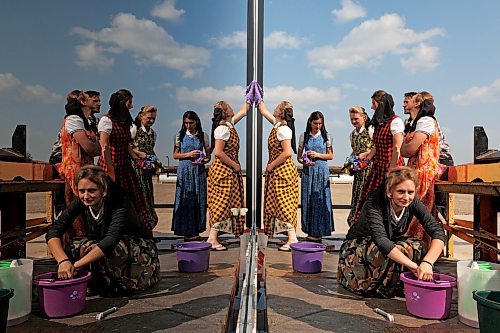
(119, 249)
(376, 250)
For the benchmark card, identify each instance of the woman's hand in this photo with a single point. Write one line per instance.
(237, 167)
(424, 271)
(66, 270)
(141, 154)
(193, 154)
(111, 173)
(362, 156)
(269, 168)
(313, 154)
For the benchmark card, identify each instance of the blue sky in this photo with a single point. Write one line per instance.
(186, 54)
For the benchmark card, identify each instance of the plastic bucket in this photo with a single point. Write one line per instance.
(488, 309)
(20, 279)
(470, 279)
(307, 257)
(5, 296)
(193, 257)
(429, 300)
(61, 298)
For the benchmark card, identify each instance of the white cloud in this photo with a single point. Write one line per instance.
(237, 39)
(280, 39)
(12, 86)
(147, 42)
(8, 82)
(350, 11)
(422, 57)
(367, 45)
(275, 40)
(167, 11)
(92, 55)
(481, 94)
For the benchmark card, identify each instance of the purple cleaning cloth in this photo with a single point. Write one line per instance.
(254, 93)
(259, 92)
(305, 156)
(249, 93)
(200, 158)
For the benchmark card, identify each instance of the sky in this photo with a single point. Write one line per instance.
(180, 55)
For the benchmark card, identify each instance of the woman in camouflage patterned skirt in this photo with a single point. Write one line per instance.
(118, 248)
(281, 190)
(225, 180)
(143, 144)
(361, 143)
(375, 250)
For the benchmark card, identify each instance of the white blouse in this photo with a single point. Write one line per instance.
(73, 124)
(284, 132)
(222, 132)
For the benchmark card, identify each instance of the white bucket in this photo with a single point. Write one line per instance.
(470, 279)
(20, 279)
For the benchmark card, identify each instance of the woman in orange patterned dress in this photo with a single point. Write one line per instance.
(421, 146)
(225, 180)
(79, 146)
(281, 191)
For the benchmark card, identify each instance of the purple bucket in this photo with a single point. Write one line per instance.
(429, 300)
(193, 257)
(307, 257)
(61, 298)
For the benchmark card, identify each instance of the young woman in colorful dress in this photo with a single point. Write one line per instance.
(421, 146)
(79, 147)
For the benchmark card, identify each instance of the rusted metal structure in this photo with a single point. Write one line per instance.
(19, 176)
(481, 179)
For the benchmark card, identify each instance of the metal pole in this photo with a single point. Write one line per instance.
(255, 45)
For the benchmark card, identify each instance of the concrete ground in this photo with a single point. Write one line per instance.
(198, 302)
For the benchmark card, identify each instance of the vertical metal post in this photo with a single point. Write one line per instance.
(255, 45)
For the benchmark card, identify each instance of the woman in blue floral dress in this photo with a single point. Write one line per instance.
(192, 149)
(315, 149)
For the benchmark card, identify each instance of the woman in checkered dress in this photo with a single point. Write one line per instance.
(387, 141)
(225, 181)
(281, 192)
(117, 153)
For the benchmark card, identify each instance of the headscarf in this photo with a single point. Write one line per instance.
(290, 121)
(384, 111)
(427, 109)
(118, 110)
(73, 107)
(216, 119)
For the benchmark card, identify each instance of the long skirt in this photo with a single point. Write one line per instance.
(133, 265)
(365, 271)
